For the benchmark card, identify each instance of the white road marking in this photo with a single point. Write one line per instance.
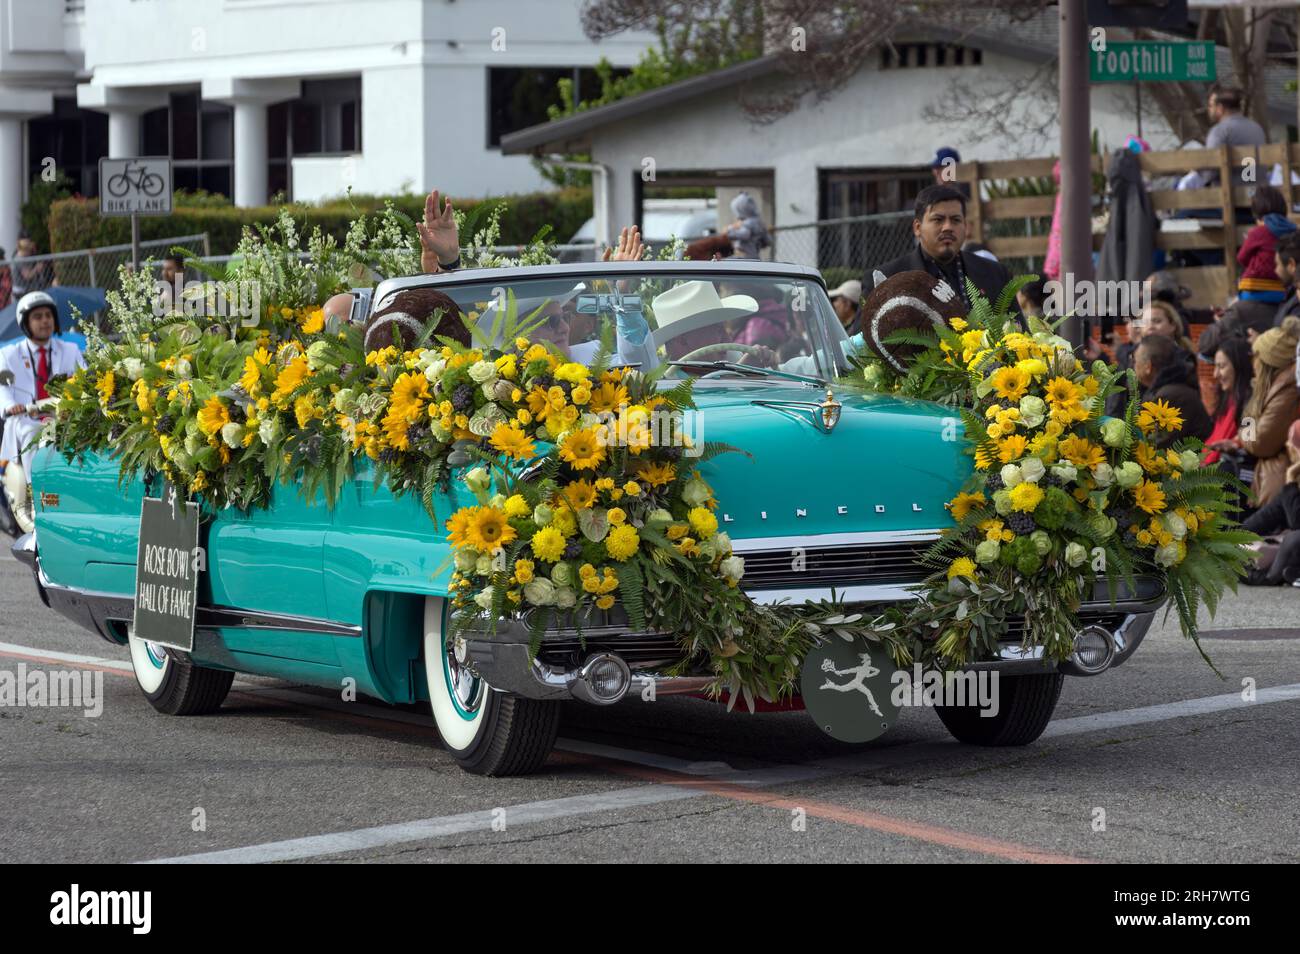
(78, 658)
(1169, 710)
(405, 832)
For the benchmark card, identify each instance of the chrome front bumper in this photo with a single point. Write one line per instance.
(504, 659)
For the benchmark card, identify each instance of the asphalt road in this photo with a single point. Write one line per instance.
(1158, 761)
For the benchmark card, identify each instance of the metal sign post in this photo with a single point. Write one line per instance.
(135, 187)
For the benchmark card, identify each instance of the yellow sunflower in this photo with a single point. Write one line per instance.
(410, 391)
(582, 450)
(1159, 414)
(1012, 448)
(290, 376)
(963, 504)
(609, 396)
(213, 416)
(489, 530)
(1081, 452)
(1061, 390)
(513, 442)
(458, 526)
(1149, 459)
(251, 379)
(580, 494)
(1149, 497)
(1010, 384)
(657, 474)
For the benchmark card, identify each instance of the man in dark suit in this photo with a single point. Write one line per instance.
(939, 226)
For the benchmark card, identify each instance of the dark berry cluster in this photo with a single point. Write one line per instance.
(994, 483)
(462, 399)
(1021, 524)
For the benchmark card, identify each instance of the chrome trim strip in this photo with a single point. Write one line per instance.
(877, 593)
(24, 550)
(819, 541)
(118, 608)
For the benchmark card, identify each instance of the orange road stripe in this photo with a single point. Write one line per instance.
(829, 811)
(65, 662)
(875, 821)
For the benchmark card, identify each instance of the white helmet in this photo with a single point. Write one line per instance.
(36, 299)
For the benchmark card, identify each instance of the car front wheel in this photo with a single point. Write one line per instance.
(488, 733)
(1025, 706)
(174, 686)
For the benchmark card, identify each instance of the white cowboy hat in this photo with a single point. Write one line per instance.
(700, 301)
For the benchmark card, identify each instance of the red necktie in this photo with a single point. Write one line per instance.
(42, 374)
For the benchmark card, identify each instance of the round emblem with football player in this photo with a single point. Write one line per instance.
(848, 689)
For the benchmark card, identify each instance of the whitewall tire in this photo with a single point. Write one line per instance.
(174, 686)
(488, 733)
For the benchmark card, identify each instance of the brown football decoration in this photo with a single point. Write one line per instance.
(402, 320)
(907, 300)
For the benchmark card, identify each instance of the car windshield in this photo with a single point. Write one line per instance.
(721, 325)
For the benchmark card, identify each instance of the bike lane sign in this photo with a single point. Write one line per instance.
(138, 186)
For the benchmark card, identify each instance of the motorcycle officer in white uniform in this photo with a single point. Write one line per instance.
(26, 366)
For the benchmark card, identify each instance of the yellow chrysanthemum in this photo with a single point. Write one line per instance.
(583, 450)
(572, 372)
(106, 385)
(1025, 496)
(704, 523)
(963, 504)
(622, 542)
(313, 321)
(513, 442)
(305, 410)
(213, 416)
(962, 566)
(489, 530)
(1149, 497)
(1010, 384)
(548, 544)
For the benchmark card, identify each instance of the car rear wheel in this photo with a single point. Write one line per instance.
(488, 733)
(1025, 706)
(173, 686)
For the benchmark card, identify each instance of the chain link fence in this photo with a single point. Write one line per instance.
(90, 268)
(844, 248)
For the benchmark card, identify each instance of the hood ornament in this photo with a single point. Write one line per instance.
(823, 415)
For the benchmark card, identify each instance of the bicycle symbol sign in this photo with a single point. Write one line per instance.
(138, 186)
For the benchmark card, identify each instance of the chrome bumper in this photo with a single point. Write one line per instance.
(504, 659)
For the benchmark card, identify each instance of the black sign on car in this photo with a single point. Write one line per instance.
(167, 570)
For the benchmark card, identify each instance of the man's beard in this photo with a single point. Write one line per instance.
(944, 256)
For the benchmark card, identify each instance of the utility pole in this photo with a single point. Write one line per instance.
(1076, 157)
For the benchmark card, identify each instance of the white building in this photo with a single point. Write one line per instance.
(305, 97)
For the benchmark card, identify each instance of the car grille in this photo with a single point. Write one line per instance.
(638, 650)
(893, 562)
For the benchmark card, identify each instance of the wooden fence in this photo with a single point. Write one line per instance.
(1210, 285)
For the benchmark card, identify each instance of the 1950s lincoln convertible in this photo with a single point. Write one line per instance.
(839, 491)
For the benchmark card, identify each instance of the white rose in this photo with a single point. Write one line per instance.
(465, 561)
(1011, 476)
(183, 369)
(1175, 524)
(132, 368)
(723, 542)
(562, 574)
(233, 434)
(565, 598)
(1189, 460)
(540, 592)
(1104, 474)
(1032, 469)
(733, 568)
(269, 429)
(478, 480)
(1167, 555)
(482, 372)
(483, 566)
(1075, 554)
(497, 500)
(1067, 472)
(695, 492)
(484, 598)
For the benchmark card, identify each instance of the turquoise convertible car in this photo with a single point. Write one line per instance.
(839, 491)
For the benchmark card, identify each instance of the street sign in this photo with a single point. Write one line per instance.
(139, 186)
(1152, 61)
(167, 570)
